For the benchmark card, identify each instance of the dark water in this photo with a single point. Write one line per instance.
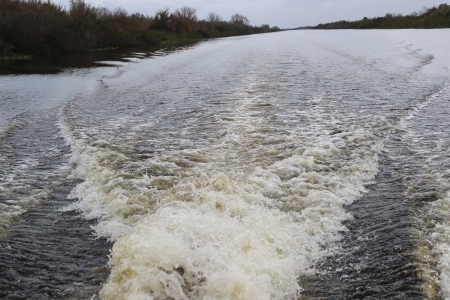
(46, 253)
(303, 164)
(100, 58)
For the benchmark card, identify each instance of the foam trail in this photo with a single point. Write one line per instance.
(210, 231)
(232, 186)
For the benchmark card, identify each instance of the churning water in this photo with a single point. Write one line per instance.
(293, 165)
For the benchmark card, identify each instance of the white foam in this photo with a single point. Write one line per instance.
(112, 63)
(246, 211)
(248, 232)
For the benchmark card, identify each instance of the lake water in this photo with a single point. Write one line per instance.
(292, 165)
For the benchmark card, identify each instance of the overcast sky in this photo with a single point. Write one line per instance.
(281, 13)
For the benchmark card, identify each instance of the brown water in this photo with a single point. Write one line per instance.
(302, 164)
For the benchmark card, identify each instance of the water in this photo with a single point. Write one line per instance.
(293, 165)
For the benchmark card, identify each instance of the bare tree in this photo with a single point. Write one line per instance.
(119, 13)
(186, 12)
(213, 17)
(103, 13)
(82, 10)
(239, 19)
(161, 19)
(183, 19)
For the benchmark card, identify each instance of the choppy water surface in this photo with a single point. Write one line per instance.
(295, 165)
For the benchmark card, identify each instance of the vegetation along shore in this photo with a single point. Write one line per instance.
(435, 17)
(35, 27)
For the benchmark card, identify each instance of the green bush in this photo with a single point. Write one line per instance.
(435, 17)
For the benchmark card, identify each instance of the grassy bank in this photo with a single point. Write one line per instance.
(35, 27)
(435, 17)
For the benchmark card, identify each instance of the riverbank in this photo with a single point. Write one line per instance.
(427, 18)
(38, 28)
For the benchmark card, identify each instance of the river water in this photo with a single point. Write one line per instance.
(291, 165)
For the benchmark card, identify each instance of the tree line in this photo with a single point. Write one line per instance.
(434, 17)
(38, 27)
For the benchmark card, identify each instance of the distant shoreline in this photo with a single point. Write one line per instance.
(428, 18)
